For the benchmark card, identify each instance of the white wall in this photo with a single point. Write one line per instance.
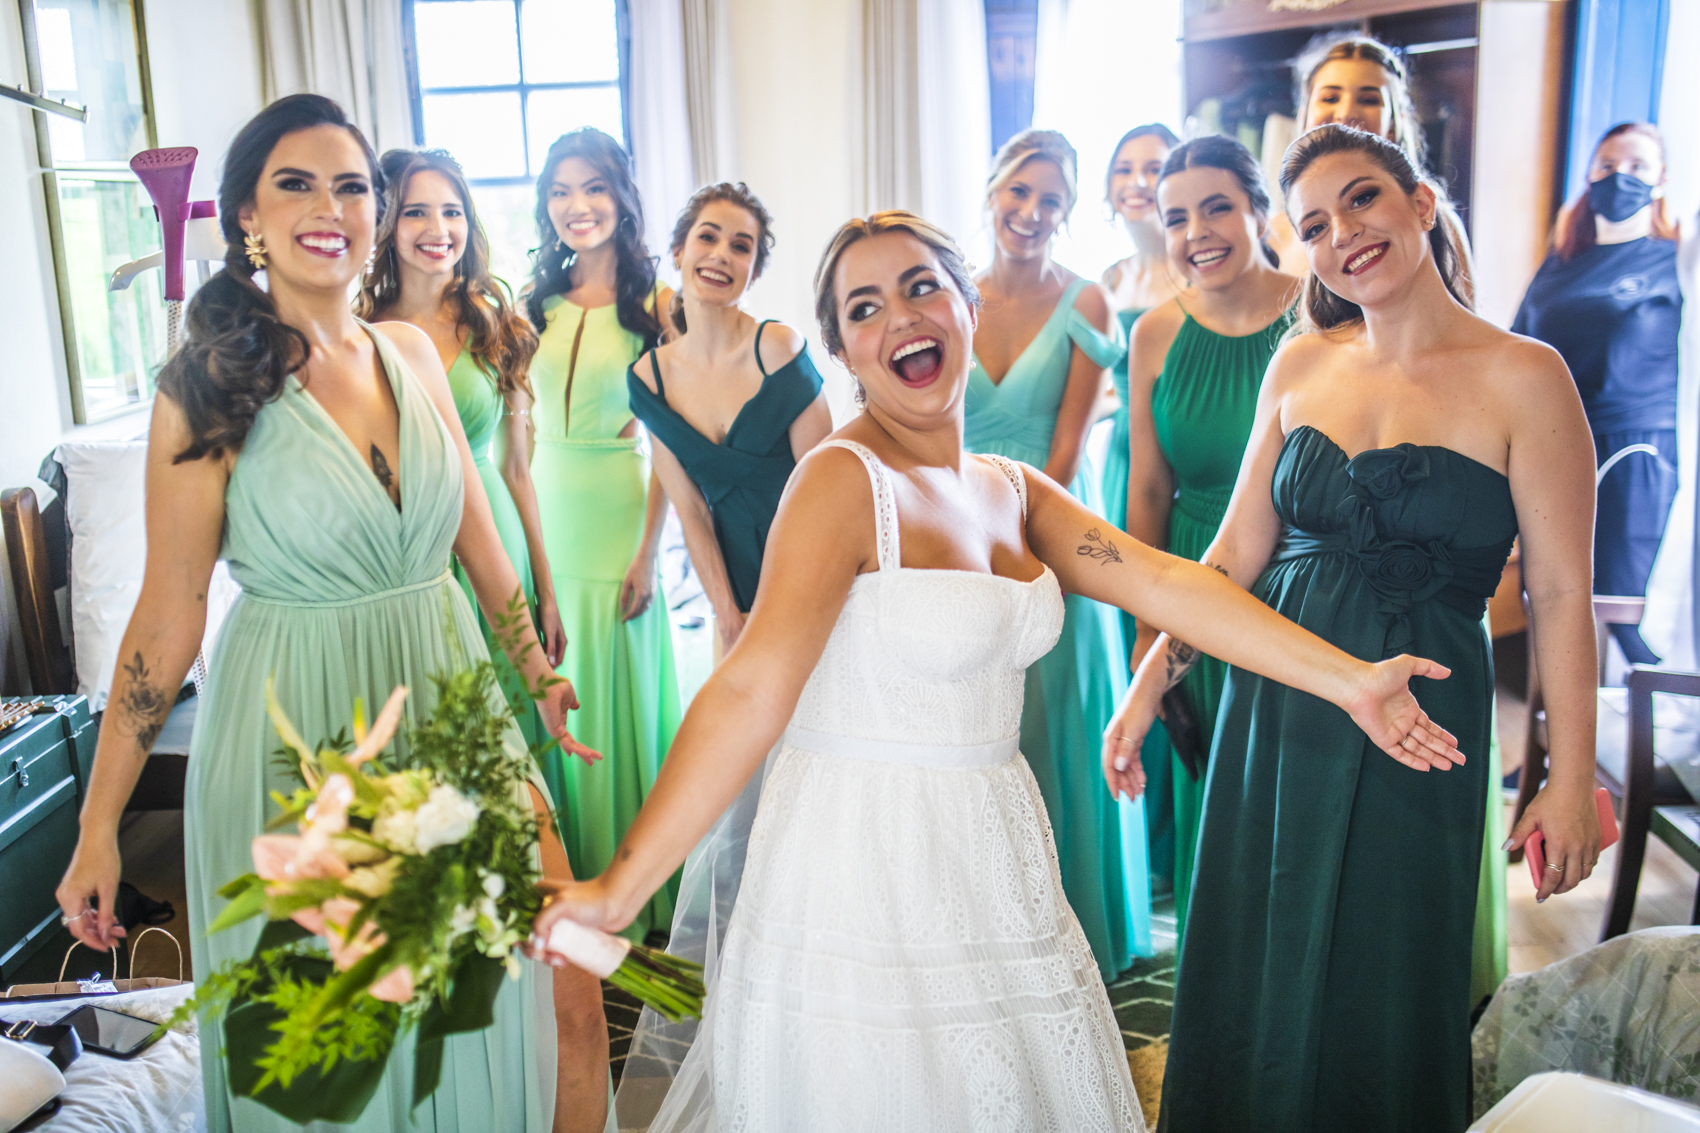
(204, 58)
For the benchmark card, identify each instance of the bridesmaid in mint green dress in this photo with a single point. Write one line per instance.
(1037, 411)
(594, 300)
(1136, 284)
(336, 492)
(432, 270)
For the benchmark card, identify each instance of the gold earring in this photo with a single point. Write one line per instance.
(255, 250)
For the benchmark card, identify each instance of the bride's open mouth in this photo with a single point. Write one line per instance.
(917, 363)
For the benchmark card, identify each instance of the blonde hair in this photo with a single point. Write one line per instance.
(853, 231)
(1030, 144)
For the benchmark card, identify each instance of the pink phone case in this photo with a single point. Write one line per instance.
(1534, 850)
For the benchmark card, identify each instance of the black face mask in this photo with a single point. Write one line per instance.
(1619, 196)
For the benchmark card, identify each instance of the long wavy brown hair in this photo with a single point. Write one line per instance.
(499, 338)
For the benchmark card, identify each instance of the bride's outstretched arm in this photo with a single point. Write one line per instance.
(822, 537)
(1206, 609)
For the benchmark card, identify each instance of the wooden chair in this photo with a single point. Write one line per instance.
(1608, 611)
(1646, 806)
(38, 551)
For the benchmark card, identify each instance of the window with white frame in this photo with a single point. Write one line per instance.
(495, 82)
(90, 53)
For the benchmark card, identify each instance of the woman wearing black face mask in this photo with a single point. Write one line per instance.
(1608, 300)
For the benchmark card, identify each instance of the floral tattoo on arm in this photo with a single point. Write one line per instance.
(1182, 657)
(144, 705)
(1097, 546)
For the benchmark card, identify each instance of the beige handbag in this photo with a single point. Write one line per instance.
(96, 985)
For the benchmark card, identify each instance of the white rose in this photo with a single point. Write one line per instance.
(494, 886)
(444, 819)
(397, 829)
(462, 920)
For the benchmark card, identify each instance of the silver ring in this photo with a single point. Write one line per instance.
(1555, 868)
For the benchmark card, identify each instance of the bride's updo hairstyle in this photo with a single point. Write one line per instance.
(893, 220)
(238, 352)
(1324, 310)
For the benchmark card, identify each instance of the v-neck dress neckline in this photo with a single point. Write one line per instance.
(388, 362)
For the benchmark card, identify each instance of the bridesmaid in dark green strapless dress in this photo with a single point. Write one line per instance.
(1285, 982)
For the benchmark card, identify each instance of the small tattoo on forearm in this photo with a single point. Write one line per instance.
(1182, 657)
(1105, 550)
(381, 468)
(145, 705)
(1221, 570)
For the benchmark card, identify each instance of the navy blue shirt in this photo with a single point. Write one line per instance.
(1613, 313)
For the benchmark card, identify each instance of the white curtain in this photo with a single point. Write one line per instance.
(349, 50)
(1103, 67)
(660, 123)
(711, 103)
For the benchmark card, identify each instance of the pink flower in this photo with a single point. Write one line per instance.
(287, 857)
(345, 953)
(328, 916)
(394, 986)
(329, 812)
(373, 742)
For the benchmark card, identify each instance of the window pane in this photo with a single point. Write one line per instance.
(482, 131)
(466, 43)
(88, 56)
(570, 41)
(120, 334)
(507, 214)
(551, 113)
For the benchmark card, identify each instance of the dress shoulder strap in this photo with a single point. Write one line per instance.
(761, 326)
(1013, 472)
(885, 502)
(655, 368)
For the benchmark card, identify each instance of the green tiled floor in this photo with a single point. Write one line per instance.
(1142, 998)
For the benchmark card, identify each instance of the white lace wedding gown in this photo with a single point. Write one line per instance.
(900, 955)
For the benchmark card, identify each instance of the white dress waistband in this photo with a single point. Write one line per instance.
(938, 756)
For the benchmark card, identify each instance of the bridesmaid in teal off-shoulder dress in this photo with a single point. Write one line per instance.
(432, 269)
(326, 466)
(1399, 447)
(1049, 337)
(1194, 368)
(1136, 284)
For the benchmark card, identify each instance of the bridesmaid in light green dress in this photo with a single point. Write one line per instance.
(1049, 336)
(432, 270)
(326, 466)
(593, 300)
(1136, 284)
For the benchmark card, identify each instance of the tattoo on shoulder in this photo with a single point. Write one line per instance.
(1100, 547)
(381, 468)
(145, 705)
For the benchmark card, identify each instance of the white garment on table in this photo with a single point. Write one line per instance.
(901, 955)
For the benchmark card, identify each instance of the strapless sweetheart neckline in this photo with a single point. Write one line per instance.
(1338, 447)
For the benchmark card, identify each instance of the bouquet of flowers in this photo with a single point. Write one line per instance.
(401, 900)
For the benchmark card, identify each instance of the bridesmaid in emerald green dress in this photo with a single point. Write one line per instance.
(594, 302)
(432, 269)
(325, 463)
(1137, 284)
(1193, 372)
(731, 404)
(1400, 445)
(1049, 336)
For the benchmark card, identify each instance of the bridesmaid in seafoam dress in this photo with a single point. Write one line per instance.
(1049, 336)
(1193, 372)
(325, 462)
(594, 302)
(1136, 284)
(432, 269)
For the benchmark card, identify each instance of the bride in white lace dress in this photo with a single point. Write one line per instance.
(901, 956)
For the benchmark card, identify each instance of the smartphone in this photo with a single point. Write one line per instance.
(111, 1033)
(1534, 850)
